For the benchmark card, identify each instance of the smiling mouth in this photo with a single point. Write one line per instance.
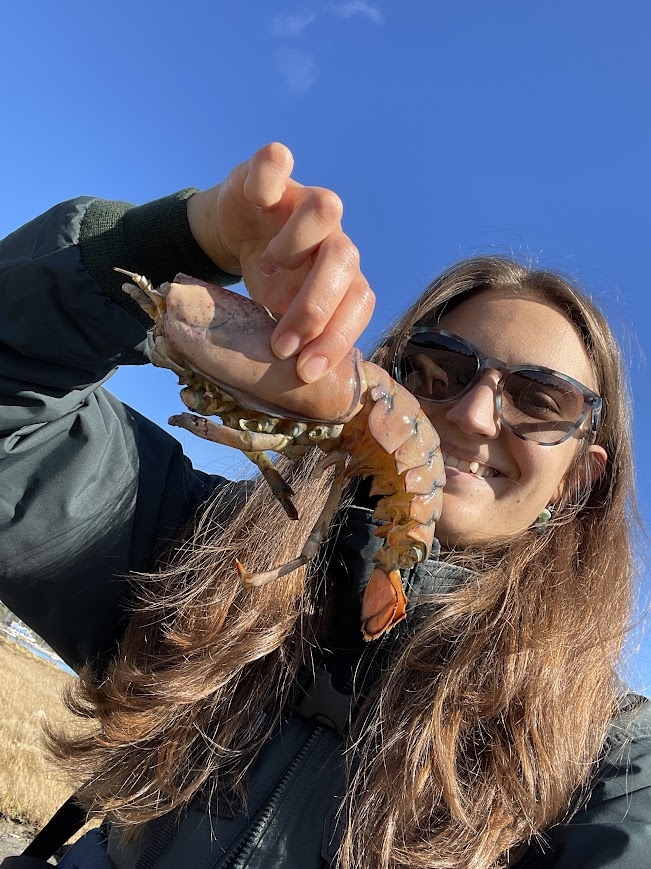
(474, 468)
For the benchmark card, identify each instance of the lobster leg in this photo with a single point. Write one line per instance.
(252, 444)
(278, 485)
(314, 540)
(246, 441)
(143, 292)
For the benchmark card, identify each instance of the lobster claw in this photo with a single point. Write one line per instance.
(384, 603)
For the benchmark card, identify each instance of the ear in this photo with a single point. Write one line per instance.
(597, 461)
(590, 469)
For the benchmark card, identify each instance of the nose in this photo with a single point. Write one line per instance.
(475, 413)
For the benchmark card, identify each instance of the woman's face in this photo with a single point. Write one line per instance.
(525, 477)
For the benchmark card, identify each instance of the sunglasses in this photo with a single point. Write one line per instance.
(534, 403)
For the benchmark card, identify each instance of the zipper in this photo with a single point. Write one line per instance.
(243, 849)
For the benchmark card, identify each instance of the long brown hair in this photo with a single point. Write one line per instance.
(489, 719)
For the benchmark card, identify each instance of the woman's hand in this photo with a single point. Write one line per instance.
(287, 242)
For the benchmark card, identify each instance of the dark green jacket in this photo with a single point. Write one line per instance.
(90, 490)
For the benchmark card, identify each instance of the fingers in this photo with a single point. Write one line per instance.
(327, 315)
(268, 172)
(306, 268)
(316, 215)
(342, 331)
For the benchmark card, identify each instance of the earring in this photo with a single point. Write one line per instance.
(544, 516)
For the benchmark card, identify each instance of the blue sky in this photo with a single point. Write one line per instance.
(448, 129)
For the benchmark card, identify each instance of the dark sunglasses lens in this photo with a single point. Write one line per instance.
(541, 407)
(437, 367)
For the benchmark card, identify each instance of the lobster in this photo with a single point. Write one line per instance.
(366, 424)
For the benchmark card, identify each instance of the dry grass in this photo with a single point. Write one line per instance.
(31, 788)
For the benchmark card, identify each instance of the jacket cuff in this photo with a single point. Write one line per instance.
(154, 240)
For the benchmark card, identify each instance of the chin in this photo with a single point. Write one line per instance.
(457, 538)
(459, 528)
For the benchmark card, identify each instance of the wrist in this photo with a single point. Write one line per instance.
(154, 239)
(203, 226)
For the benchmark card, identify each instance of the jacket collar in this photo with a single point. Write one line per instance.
(352, 564)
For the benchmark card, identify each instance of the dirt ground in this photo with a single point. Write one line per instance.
(14, 838)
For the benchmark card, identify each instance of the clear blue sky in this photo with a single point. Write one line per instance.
(447, 128)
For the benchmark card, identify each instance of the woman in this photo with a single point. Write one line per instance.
(255, 727)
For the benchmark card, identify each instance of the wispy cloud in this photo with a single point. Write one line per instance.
(288, 26)
(298, 69)
(298, 66)
(358, 7)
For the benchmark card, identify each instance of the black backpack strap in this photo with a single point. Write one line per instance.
(166, 828)
(64, 823)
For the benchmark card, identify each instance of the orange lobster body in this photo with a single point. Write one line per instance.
(218, 342)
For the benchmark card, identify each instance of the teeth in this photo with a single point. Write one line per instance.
(467, 467)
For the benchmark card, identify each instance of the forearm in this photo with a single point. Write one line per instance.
(89, 488)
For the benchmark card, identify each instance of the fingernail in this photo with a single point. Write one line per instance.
(313, 369)
(286, 345)
(268, 269)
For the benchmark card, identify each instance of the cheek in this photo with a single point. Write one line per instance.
(546, 471)
(435, 413)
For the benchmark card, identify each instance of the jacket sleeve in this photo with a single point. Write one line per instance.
(613, 831)
(89, 489)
